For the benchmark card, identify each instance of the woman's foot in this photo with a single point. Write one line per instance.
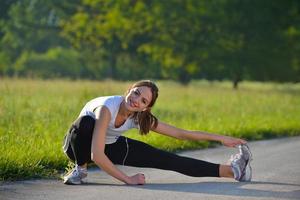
(75, 176)
(240, 164)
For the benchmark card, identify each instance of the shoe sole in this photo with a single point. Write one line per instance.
(247, 175)
(68, 182)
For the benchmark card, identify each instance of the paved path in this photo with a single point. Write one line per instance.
(276, 175)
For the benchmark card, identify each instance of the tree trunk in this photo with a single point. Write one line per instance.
(237, 78)
(112, 66)
(235, 84)
(184, 77)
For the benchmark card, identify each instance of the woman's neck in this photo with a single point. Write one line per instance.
(123, 111)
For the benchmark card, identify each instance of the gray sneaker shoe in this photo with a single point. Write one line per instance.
(246, 153)
(247, 175)
(75, 176)
(240, 164)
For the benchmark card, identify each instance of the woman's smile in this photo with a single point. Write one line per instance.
(133, 104)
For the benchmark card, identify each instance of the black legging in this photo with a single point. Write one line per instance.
(129, 152)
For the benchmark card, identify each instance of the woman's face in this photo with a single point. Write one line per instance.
(138, 99)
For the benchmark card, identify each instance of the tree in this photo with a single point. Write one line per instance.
(133, 39)
(252, 43)
(30, 26)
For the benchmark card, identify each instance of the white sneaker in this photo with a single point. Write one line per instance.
(246, 153)
(247, 175)
(75, 176)
(240, 164)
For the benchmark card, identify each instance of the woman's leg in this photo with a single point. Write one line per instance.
(80, 136)
(226, 171)
(138, 154)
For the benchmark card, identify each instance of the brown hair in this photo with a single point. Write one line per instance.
(145, 119)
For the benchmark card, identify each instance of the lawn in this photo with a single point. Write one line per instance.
(35, 115)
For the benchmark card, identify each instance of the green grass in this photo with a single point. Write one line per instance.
(35, 115)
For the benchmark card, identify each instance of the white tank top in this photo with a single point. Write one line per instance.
(113, 105)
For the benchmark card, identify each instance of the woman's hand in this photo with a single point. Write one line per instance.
(138, 179)
(231, 141)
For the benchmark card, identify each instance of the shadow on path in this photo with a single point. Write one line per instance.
(253, 189)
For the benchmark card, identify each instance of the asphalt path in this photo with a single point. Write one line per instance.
(276, 175)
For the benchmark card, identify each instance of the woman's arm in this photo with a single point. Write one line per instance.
(178, 133)
(103, 117)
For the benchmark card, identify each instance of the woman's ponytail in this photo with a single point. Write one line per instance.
(146, 121)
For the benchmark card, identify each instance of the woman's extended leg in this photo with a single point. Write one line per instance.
(138, 154)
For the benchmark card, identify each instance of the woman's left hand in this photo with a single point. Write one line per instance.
(231, 141)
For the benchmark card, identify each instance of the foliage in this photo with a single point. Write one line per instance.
(60, 62)
(137, 39)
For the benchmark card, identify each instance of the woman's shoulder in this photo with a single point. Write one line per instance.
(107, 99)
(111, 102)
(116, 99)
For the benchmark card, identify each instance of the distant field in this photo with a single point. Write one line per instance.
(35, 114)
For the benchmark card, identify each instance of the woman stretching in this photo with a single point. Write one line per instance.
(96, 136)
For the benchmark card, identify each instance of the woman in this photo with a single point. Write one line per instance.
(96, 136)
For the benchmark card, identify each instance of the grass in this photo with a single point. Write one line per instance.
(35, 115)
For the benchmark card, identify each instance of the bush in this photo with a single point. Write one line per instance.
(56, 62)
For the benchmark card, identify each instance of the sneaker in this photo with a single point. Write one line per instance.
(75, 176)
(240, 164)
(246, 153)
(247, 175)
